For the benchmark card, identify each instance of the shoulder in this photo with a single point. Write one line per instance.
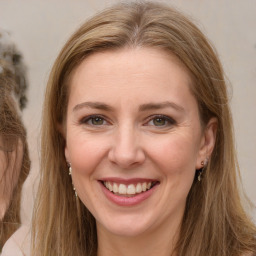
(18, 244)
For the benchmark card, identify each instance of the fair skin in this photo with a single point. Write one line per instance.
(132, 121)
(9, 173)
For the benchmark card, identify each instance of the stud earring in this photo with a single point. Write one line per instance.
(200, 172)
(206, 161)
(69, 169)
(70, 173)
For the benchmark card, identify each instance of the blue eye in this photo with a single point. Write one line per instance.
(160, 121)
(94, 120)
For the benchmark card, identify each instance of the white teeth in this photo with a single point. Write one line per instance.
(110, 186)
(130, 189)
(144, 186)
(138, 188)
(122, 189)
(115, 188)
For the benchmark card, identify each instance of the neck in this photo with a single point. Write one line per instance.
(159, 242)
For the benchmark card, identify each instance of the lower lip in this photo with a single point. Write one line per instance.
(128, 201)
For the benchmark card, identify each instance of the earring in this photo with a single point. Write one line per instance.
(70, 173)
(200, 172)
(69, 169)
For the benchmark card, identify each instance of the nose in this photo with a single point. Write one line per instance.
(126, 151)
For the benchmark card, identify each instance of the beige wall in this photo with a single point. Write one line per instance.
(40, 28)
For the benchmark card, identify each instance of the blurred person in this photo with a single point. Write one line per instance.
(14, 157)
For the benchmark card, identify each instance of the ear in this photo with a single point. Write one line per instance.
(62, 130)
(207, 141)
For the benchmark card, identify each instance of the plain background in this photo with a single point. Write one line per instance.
(40, 28)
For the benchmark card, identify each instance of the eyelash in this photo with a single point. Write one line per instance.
(90, 118)
(168, 121)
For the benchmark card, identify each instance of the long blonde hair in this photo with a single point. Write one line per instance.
(214, 221)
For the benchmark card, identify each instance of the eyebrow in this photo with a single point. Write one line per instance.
(144, 107)
(166, 104)
(95, 105)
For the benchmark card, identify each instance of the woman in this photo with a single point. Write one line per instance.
(14, 159)
(137, 144)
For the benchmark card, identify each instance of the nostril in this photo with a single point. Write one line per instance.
(126, 158)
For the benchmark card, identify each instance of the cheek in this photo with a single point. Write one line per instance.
(176, 154)
(85, 154)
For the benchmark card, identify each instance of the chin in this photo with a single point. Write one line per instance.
(126, 227)
(127, 231)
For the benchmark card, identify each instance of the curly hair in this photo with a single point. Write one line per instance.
(12, 65)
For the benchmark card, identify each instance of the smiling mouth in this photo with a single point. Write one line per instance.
(128, 190)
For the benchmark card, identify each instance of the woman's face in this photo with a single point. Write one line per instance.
(134, 139)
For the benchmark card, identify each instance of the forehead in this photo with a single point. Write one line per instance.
(127, 69)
